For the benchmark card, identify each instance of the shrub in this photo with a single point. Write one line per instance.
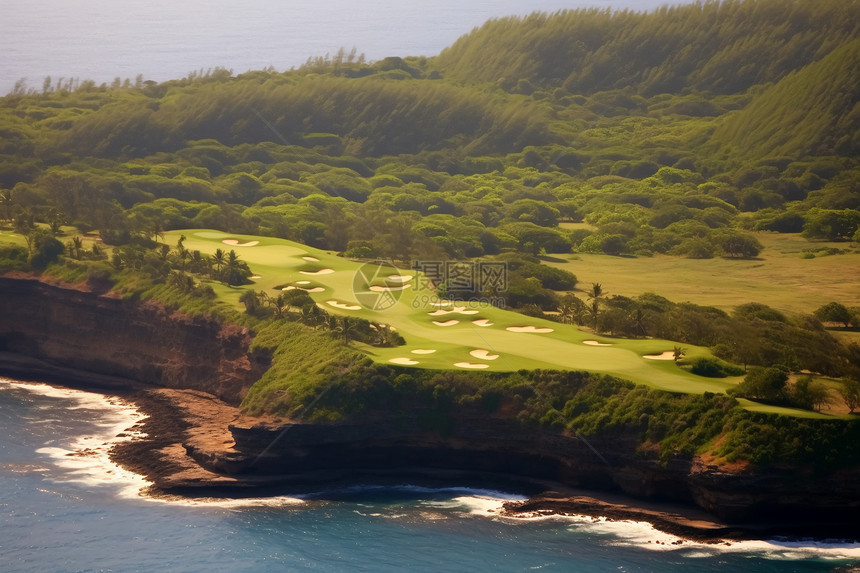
(763, 384)
(13, 258)
(714, 368)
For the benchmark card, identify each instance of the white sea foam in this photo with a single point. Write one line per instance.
(229, 503)
(643, 535)
(86, 460)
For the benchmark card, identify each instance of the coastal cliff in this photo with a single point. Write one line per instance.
(71, 328)
(209, 367)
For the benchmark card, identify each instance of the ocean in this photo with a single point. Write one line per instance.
(163, 39)
(65, 507)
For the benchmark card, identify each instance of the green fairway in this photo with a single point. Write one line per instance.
(447, 329)
(780, 277)
(11, 237)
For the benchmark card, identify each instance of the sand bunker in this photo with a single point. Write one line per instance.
(376, 288)
(236, 243)
(455, 310)
(424, 351)
(404, 361)
(255, 277)
(482, 322)
(668, 355)
(399, 278)
(446, 323)
(534, 329)
(342, 305)
(595, 343)
(303, 282)
(315, 289)
(311, 259)
(483, 355)
(319, 272)
(470, 365)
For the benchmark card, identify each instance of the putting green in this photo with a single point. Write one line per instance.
(452, 331)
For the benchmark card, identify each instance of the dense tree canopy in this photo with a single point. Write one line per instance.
(671, 132)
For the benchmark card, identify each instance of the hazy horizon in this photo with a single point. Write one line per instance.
(100, 40)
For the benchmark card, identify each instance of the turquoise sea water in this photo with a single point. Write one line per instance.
(165, 39)
(78, 512)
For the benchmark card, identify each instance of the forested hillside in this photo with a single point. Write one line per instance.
(812, 111)
(717, 46)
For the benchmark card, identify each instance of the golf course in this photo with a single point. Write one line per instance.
(441, 334)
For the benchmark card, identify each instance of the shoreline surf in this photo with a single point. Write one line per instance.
(92, 459)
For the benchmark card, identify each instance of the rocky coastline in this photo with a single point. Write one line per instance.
(199, 444)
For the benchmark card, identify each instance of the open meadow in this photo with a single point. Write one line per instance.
(780, 277)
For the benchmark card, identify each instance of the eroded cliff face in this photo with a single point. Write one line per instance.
(476, 443)
(100, 335)
(73, 328)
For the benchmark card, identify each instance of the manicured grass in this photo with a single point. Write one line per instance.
(847, 336)
(796, 412)
(780, 277)
(8, 236)
(11, 237)
(280, 262)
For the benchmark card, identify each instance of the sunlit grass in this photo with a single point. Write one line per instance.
(780, 277)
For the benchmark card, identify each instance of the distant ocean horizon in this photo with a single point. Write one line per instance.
(101, 40)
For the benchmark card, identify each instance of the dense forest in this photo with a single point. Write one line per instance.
(676, 132)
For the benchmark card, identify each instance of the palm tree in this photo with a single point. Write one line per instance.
(77, 245)
(232, 269)
(346, 326)
(384, 334)
(278, 304)
(196, 261)
(678, 353)
(311, 315)
(156, 230)
(6, 200)
(595, 295)
(565, 313)
(251, 300)
(164, 250)
(639, 321)
(332, 321)
(181, 252)
(57, 220)
(218, 260)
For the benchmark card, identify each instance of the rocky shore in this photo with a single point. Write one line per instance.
(190, 374)
(187, 433)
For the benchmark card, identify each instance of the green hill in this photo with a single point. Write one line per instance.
(813, 111)
(722, 47)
